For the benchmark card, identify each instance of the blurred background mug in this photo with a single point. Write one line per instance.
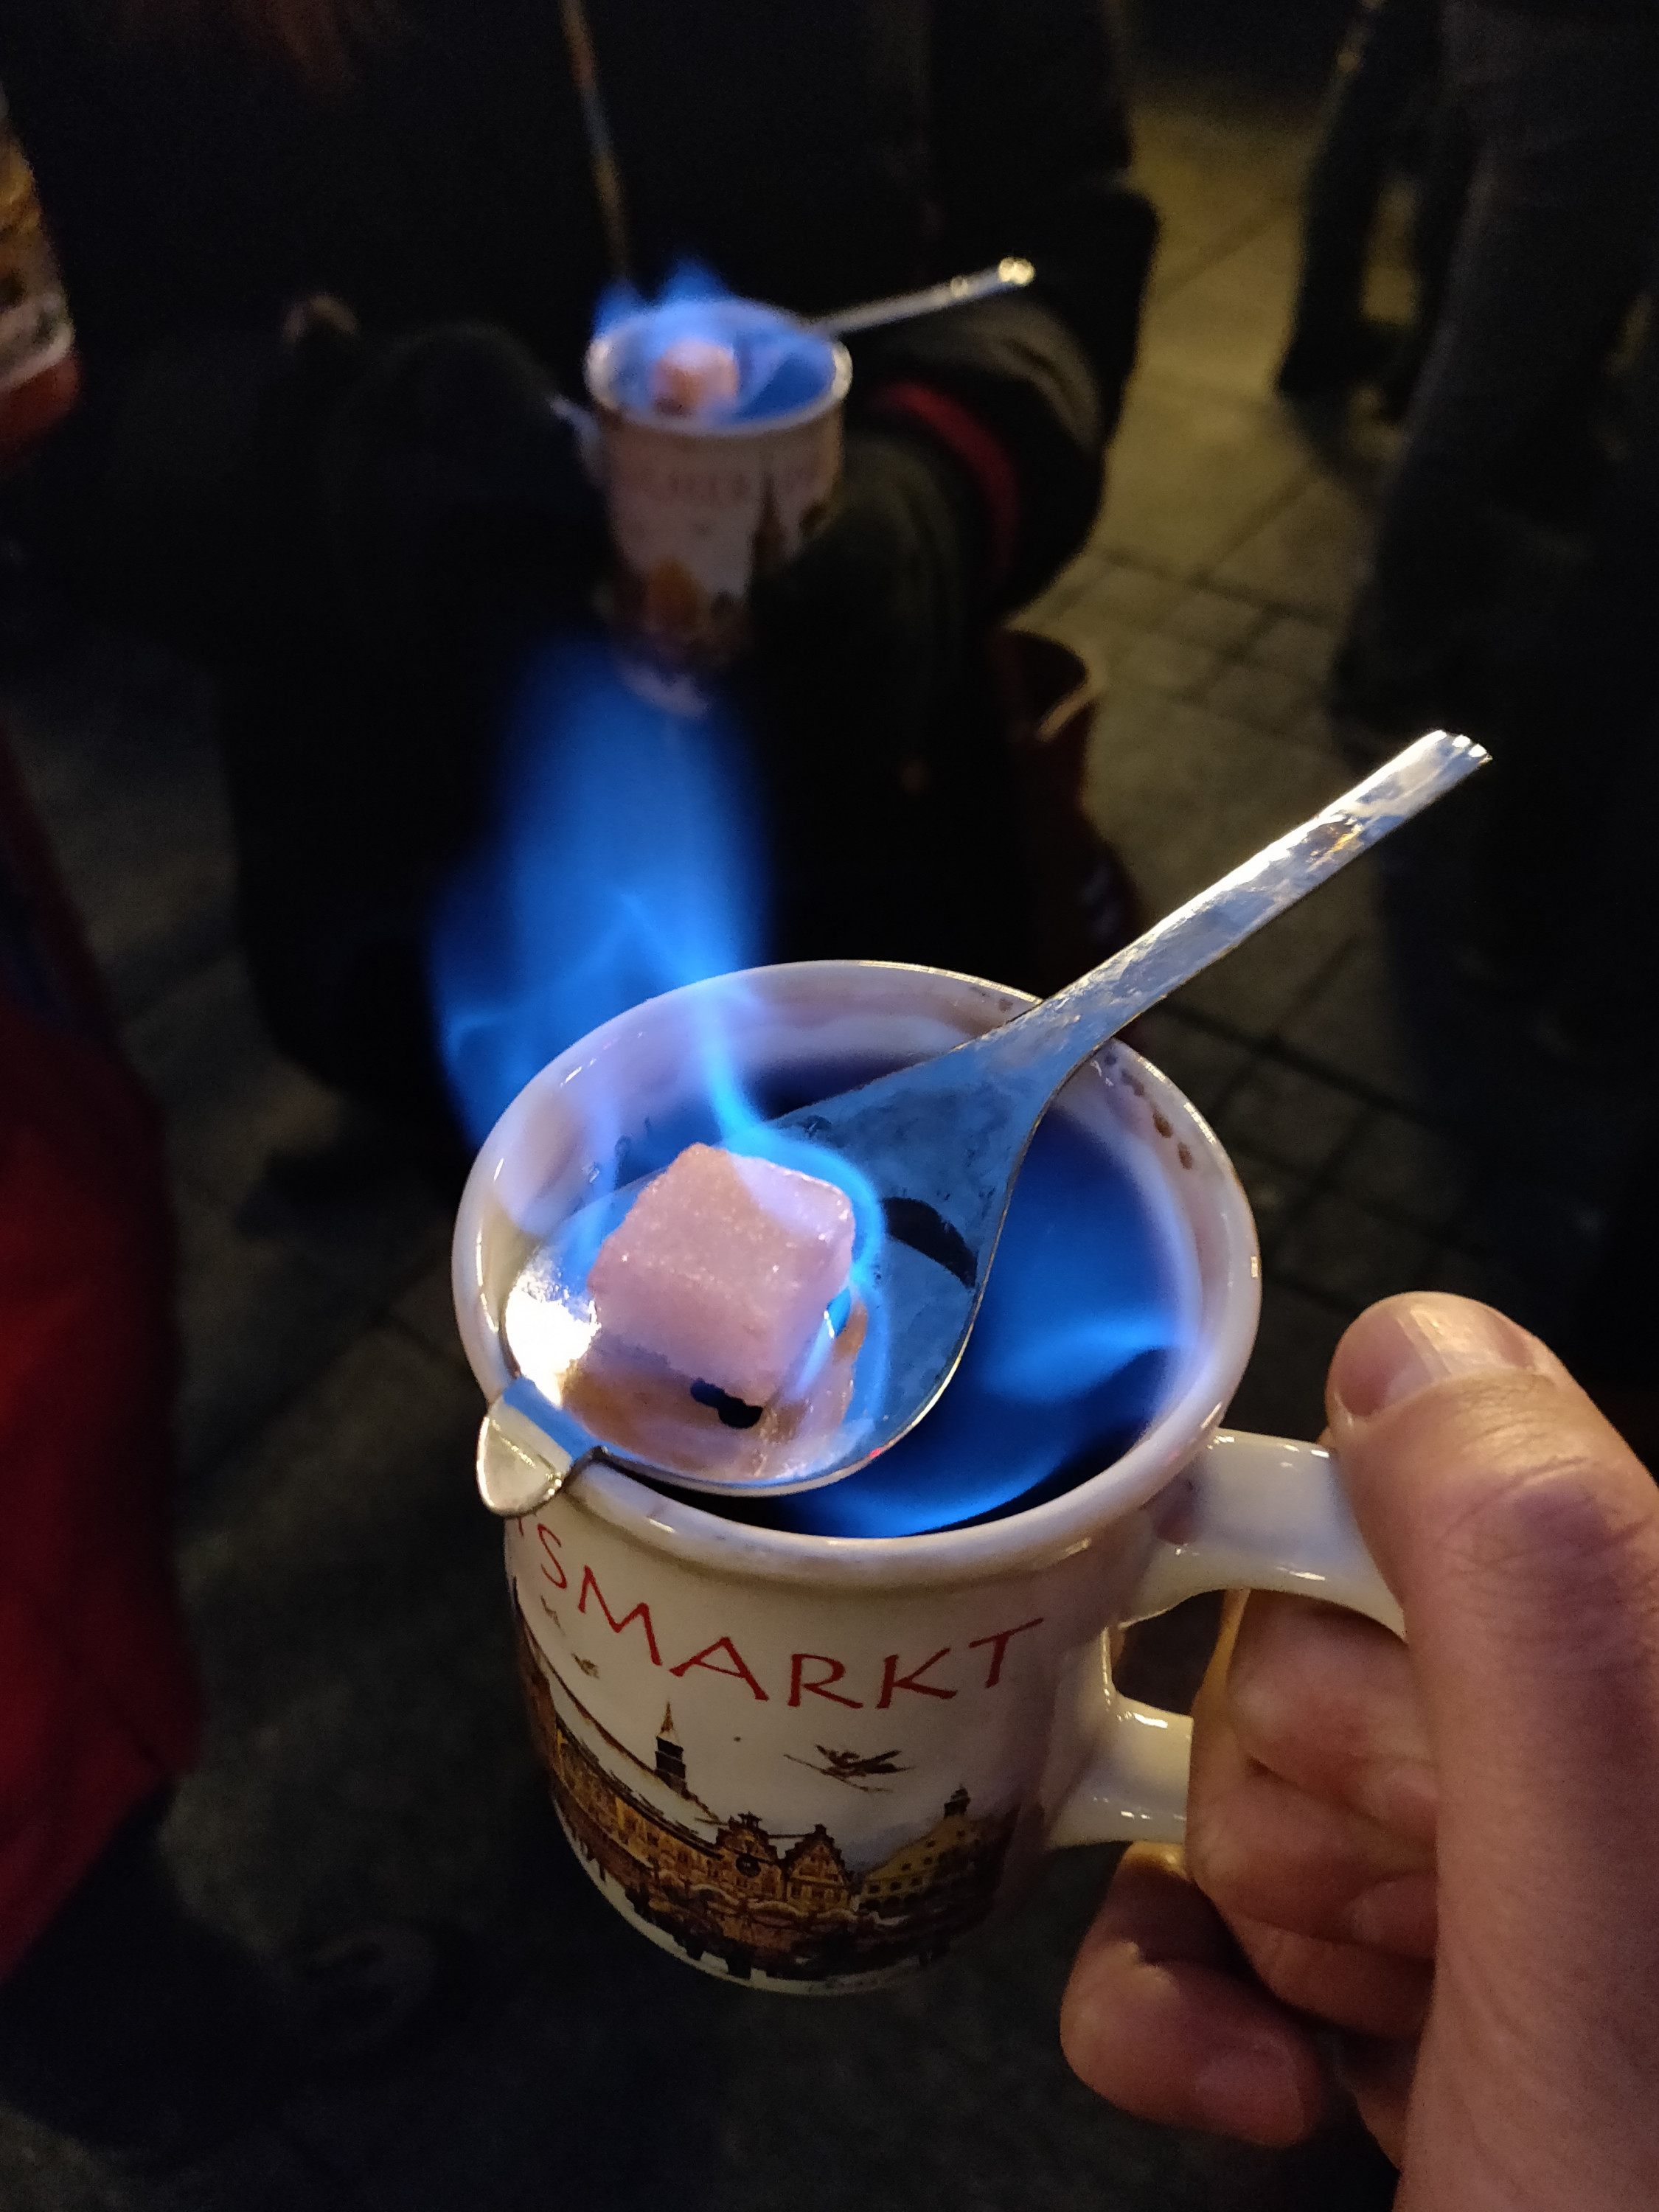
(813, 1763)
(703, 504)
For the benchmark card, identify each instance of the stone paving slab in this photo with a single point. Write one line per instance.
(1294, 646)
(259, 1321)
(1224, 329)
(1306, 555)
(1195, 473)
(1290, 1117)
(1400, 1167)
(136, 804)
(1191, 792)
(1220, 621)
(41, 2172)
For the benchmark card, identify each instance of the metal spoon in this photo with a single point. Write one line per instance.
(942, 1142)
(1009, 275)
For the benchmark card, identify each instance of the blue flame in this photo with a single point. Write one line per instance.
(1081, 1332)
(782, 364)
(623, 860)
(687, 282)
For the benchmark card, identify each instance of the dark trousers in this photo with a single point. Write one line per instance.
(1565, 113)
(1387, 61)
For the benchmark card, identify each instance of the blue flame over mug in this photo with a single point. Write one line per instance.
(624, 859)
(785, 369)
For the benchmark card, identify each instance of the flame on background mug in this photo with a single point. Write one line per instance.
(812, 1764)
(699, 509)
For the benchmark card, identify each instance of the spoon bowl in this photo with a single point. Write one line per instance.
(941, 1143)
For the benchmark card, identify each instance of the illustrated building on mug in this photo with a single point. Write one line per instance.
(722, 1886)
(669, 603)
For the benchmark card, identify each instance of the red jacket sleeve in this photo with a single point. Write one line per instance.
(97, 1699)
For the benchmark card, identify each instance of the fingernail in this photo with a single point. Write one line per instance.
(1253, 2090)
(1397, 1916)
(1405, 1344)
(1402, 1796)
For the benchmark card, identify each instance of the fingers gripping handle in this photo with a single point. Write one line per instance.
(1249, 1513)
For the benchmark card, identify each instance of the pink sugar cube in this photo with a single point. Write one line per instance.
(723, 1266)
(690, 375)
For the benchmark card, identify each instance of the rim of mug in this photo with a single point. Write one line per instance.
(608, 406)
(674, 1524)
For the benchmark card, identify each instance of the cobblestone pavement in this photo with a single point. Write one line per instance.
(366, 1753)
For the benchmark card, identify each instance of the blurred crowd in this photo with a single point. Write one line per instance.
(1513, 578)
(293, 301)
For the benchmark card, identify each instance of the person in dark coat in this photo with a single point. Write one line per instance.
(365, 535)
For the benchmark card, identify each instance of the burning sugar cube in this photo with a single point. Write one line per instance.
(723, 1267)
(692, 375)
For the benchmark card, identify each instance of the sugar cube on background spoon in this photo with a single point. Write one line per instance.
(724, 1266)
(691, 375)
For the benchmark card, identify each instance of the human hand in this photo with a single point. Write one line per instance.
(1485, 1798)
(446, 484)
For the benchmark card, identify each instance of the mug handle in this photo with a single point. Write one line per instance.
(1249, 1513)
(584, 426)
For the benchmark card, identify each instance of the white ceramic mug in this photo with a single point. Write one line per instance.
(699, 509)
(813, 1763)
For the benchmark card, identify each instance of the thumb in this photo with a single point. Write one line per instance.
(1522, 1538)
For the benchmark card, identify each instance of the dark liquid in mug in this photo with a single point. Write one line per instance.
(1080, 1336)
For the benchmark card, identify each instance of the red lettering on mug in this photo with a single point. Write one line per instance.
(999, 1644)
(798, 1681)
(552, 1565)
(641, 1613)
(737, 1670)
(891, 1679)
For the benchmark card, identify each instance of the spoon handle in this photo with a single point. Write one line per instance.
(1009, 275)
(1045, 1045)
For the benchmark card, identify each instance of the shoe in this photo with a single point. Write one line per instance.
(1397, 380)
(1576, 1038)
(1327, 365)
(334, 2012)
(355, 1163)
(364, 1997)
